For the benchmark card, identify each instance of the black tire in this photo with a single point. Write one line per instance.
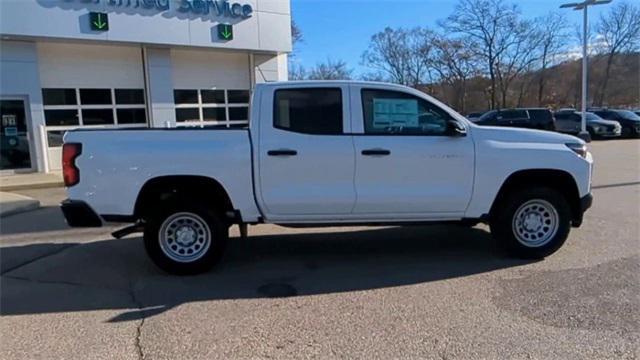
(504, 228)
(204, 221)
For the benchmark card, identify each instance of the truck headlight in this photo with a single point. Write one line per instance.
(578, 148)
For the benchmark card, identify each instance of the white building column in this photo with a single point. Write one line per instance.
(159, 87)
(269, 68)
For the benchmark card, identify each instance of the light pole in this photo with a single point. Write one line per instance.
(583, 6)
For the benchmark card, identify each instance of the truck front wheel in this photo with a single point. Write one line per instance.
(185, 239)
(532, 223)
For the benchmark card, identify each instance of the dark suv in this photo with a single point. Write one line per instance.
(532, 118)
(629, 121)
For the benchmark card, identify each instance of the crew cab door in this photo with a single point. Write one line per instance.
(305, 154)
(407, 163)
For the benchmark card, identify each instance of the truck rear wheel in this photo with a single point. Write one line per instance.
(532, 223)
(185, 239)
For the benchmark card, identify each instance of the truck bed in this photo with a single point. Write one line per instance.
(134, 156)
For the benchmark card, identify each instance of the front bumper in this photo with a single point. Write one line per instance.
(79, 214)
(585, 203)
(607, 132)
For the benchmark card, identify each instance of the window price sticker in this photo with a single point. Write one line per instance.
(395, 113)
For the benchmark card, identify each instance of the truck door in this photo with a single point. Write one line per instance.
(406, 163)
(305, 152)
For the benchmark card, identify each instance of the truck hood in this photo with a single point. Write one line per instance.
(511, 134)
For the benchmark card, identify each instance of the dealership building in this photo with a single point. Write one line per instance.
(67, 64)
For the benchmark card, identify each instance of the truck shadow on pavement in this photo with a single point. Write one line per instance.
(116, 274)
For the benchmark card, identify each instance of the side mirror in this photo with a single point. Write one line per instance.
(454, 128)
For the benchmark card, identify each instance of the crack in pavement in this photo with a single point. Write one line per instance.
(129, 291)
(137, 341)
(67, 283)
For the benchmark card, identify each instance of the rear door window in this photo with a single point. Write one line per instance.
(309, 111)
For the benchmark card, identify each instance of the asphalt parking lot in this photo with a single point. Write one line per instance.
(396, 292)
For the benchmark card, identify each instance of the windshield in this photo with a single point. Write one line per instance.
(626, 114)
(592, 116)
(487, 115)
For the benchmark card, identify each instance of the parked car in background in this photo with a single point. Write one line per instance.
(570, 122)
(532, 118)
(474, 116)
(629, 121)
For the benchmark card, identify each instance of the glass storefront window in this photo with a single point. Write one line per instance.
(214, 114)
(238, 96)
(97, 117)
(14, 139)
(95, 96)
(131, 116)
(187, 115)
(212, 107)
(185, 97)
(213, 96)
(64, 110)
(129, 96)
(61, 117)
(59, 97)
(239, 113)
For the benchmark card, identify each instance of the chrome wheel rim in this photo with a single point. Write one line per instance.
(535, 223)
(184, 237)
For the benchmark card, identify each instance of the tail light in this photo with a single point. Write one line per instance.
(70, 172)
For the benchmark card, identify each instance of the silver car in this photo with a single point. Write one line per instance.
(569, 121)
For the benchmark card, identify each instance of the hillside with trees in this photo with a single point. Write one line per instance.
(561, 86)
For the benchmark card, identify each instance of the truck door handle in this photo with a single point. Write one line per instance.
(282, 152)
(376, 152)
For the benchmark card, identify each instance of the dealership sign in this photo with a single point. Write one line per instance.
(198, 7)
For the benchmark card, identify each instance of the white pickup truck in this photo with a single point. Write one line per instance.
(326, 154)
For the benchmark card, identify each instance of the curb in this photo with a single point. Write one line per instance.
(11, 204)
(44, 185)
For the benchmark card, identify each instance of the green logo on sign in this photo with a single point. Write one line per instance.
(99, 21)
(225, 32)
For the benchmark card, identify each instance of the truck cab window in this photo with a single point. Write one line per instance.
(309, 111)
(394, 112)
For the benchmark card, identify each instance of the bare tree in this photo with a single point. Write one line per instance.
(296, 34)
(518, 54)
(402, 55)
(553, 31)
(454, 63)
(620, 32)
(486, 26)
(297, 72)
(330, 70)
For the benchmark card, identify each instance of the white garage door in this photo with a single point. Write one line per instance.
(89, 86)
